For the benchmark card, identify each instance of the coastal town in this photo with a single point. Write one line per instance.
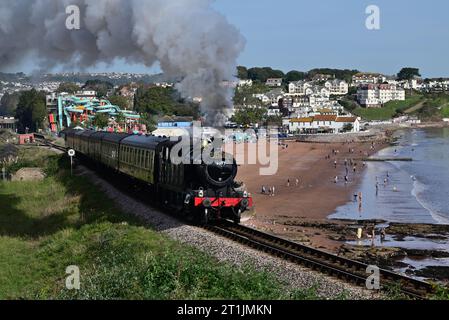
(316, 104)
(234, 159)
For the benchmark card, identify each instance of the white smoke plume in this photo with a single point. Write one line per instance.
(188, 38)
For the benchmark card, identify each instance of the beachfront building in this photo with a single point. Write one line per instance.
(376, 95)
(323, 123)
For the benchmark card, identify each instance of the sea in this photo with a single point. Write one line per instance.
(406, 192)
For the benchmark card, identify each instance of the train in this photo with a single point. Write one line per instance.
(201, 192)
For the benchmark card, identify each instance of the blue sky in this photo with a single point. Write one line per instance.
(304, 34)
(301, 34)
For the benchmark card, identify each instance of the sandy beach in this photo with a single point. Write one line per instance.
(294, 209)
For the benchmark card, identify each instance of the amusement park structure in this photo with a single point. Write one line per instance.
(71, 109)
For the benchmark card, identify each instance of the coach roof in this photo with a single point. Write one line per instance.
(115, 137)
(144, 142)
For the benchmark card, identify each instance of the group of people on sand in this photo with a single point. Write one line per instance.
(271, 190)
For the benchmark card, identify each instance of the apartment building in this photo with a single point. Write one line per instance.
(367, 78)
(376, 95)
(337, 87)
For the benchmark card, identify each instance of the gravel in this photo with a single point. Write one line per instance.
(290, 274)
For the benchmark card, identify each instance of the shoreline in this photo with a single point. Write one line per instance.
(306, 216)
(316, 197)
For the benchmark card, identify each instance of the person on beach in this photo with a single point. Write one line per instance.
(336, 179)
(297, 182)
(335, 164)
(264, 190)
(346, 180)
(288, 182)
(272, 190)
(382, 235)
(360, 200)
(355, 197)
(377, 188)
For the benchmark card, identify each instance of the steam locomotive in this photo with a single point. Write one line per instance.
(199, 191)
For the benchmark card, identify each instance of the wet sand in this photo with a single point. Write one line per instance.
(294, 210)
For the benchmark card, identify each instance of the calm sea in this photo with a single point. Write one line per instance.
(414, 192)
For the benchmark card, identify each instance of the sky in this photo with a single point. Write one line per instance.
(304, 34)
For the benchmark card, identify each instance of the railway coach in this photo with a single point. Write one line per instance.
(204, 192)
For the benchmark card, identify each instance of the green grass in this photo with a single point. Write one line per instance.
(49, 225)
(425, 106)
(389, 110)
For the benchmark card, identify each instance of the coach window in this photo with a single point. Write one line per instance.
(140, 158)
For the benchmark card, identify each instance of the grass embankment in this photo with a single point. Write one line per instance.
(49, 225)
(390, 109)
(424, 106)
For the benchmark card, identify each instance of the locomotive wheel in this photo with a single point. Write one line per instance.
(238, 217)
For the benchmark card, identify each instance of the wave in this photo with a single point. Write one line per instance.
(418, 190)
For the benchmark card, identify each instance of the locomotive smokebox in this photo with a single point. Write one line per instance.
(220, 173)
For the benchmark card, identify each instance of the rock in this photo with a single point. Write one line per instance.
(29, 174)
(434, 272)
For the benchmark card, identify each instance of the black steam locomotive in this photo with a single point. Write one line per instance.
(204, 192)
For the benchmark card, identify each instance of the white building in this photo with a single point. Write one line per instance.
(272, 97)
(376, 95)
(274, 82)
(324, 124)
(246, 82)
(337, 87)
(367, 78)
(299, 87)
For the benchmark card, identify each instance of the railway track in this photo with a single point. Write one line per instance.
(349, 270)
(41, 139)
(345, 269)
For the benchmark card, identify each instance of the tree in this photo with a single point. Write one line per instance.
(408, 73)
(262, 74)
(148, 120)
(68, 87)
(274, 121)
(120, 119)
(101, 120)
(31, 110)
(8, 104)
(119, 101)
(344, 74)
(155, 100)
(249, 116)
(242, 73)
(295, 76)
